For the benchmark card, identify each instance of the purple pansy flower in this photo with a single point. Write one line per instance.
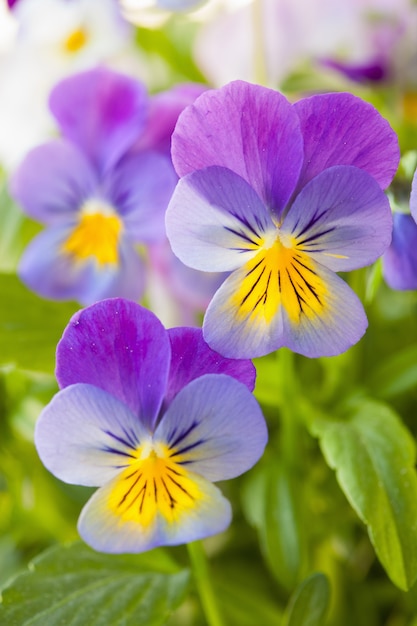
(400, 260)
(282, 196)
(151, 417)
(97, 196)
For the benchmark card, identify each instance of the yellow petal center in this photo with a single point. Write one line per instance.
(96, 235)
(154, 484)
(75, 40)
(280, 275)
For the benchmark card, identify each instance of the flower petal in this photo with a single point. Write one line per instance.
(400, 260)
(49, 272)
(85, 436)
(215, 427)
(342, 218)
(53, 181)
(282, 299)
(215, 220)
(140, 186)
(249, 129)
(341, 129)
(109, 523)
(120, 347)
(101, 111)
(192, 358)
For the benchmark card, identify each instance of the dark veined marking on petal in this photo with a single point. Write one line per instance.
(126, 442)
(310, 240)
(176, 452)
(116, 451)
(248, 225)
(135, 482)
(183, 489)
(242, 235)
(182, 435)
(172, 501)
(305, 281)
(314, 218)
(298, 295)
(143, 492)
(253, 287)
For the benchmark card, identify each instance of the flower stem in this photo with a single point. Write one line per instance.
(259, 66)
(202, 578)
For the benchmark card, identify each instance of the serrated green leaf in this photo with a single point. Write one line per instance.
(30, 327)
(271, 502)
(76, 586)
(374, 455)
(309, 603)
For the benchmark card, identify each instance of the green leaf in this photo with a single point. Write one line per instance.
(76, 586)
(272, 503)
(374, 456)
(309, 603)
(396, 374)
(30, 327)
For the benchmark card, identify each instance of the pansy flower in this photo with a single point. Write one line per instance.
(282, 196)
(400, 260)
(98, 198)
(151, 417)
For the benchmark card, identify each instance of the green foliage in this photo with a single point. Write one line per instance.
(309, 603)
(30, 327)
(374, 457)
(76, 586)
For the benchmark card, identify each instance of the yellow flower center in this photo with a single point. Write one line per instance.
(153, 483)
(75, 40)
(280, 275)
(96, 235)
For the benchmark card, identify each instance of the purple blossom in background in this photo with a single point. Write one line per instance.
(97, 190)
(282, 196)
(400, 260)
(153, 418)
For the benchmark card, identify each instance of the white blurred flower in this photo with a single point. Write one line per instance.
(53, 38)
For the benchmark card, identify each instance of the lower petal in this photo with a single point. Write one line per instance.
(138, 512)
(282, 298)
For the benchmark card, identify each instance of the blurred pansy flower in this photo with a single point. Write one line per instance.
(96, 196)
(151, 417)
(400, 260)
(54, 38)
(282, 196)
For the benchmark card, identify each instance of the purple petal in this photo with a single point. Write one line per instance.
(299, 304)
(214, 427)
(191, 358)
(342, 218)
(215, 220)
(164, 109)
(140, 186)
(85, 436)
(53, 181)
(341, 129)
(54, 275)
(108, 525)
(249, 129)
(400, 260)
(120, 347)
(102, 112)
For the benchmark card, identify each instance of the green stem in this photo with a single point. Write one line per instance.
(259, 70)
(202, 578)
(290, 428)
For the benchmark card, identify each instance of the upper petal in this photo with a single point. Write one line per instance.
(342, 218)
(53, 181)
(249, 129)
(101, 111)
(121, 347)
(85, 436)
(214, 427)
(191, 358)
(215, 220)
(341, 129)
